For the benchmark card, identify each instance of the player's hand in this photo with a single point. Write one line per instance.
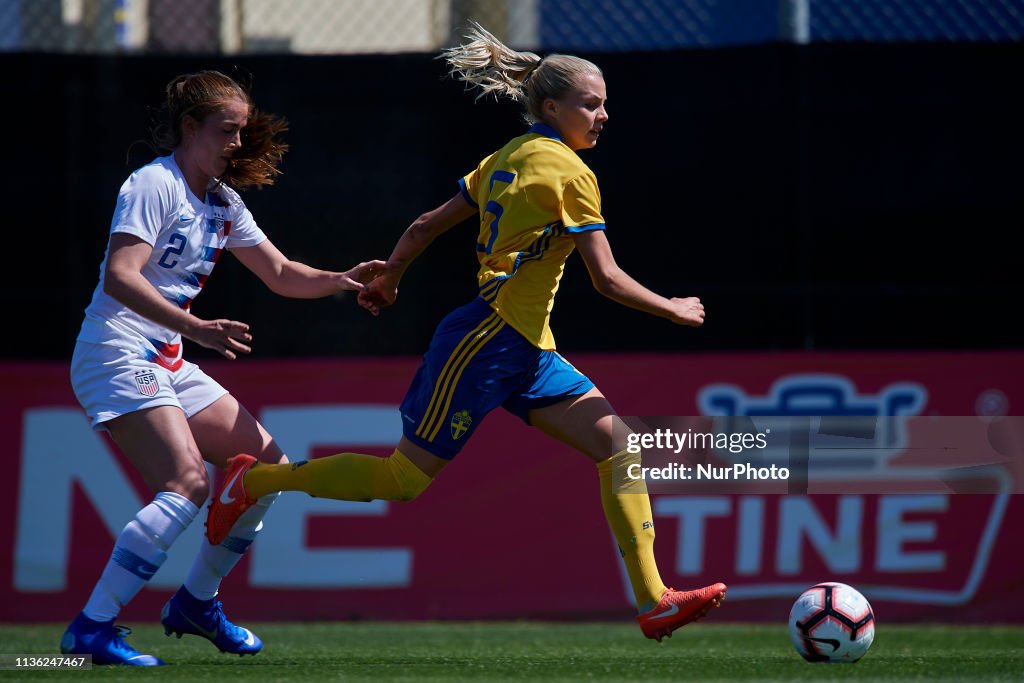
(688, 311)
(355, 279)
(379, 293)
(226, 337)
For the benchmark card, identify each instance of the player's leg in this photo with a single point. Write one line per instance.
(221, 429)
(441, 409)
(588, 423)
(157, 441)
(401, 476)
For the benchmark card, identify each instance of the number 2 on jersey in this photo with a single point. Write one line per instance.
(495, 209)
(175, 246)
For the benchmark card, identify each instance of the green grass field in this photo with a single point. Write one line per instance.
(544, 651)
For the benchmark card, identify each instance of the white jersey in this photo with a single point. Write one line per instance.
(188, 235)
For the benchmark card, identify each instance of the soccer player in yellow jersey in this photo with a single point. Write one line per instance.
(536, 201)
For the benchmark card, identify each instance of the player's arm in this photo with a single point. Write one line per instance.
(613, 282)
(123, 280)
(297, 280)
(424, 230)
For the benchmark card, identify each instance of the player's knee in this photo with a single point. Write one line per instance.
(410, 481)
(198, 494)
(192, 483)
(411, 490)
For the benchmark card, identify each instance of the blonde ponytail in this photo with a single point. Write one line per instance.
(484, 62)
(488, 64)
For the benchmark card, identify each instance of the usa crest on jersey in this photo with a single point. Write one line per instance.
(147, 383)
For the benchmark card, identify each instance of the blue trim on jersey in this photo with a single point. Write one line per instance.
(465, 194)
(545, 129)
(539, 246)
(182, 301)
(584, 228)
(135, 564)
(489, 292)
(214, 199)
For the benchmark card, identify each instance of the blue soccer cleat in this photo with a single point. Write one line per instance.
(104, 641)
(184, 613)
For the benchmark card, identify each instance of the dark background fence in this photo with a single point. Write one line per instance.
(828, 196)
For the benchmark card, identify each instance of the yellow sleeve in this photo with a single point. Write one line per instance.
(470, 183)
(581, 204)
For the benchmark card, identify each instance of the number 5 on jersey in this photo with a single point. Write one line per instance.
(495, 209)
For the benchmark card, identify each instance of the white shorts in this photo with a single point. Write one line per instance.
(110, 381)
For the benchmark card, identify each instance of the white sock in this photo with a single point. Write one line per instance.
(138, 553)
(215, 561)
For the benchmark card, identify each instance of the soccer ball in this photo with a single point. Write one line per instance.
(831, 622)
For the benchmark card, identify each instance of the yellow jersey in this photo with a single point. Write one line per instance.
(532, 194)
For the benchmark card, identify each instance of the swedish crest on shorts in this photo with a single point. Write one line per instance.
(147, 383)
(460, 424)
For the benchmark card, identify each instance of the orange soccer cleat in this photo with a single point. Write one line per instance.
(679, 608)
(231, 501)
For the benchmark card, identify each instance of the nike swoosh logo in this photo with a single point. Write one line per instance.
(206, 634)
(828, 641)
(185, 220)
(667, 613)
(224, 497)
(250, 639)
(146, 571)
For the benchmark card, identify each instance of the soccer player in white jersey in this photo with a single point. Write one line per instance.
(173, 219)
(535, 202)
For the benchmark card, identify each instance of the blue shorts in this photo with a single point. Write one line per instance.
(475, 363)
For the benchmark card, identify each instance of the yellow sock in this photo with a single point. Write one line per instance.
(627, 507)
(345, 476)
